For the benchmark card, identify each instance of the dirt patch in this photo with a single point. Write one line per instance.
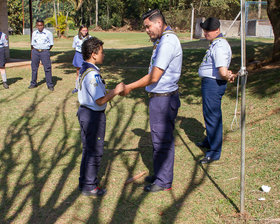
(258, 66)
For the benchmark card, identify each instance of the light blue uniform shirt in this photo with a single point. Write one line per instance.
(4, 41)
(42, 40)
(167, 56)
(77, 43)
(91, 88)
(218, 55)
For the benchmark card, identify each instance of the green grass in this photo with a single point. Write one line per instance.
(40, 146)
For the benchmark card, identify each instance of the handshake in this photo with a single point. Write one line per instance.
(122, 89)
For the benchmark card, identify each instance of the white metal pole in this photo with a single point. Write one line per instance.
(243, 75)
(192, 21)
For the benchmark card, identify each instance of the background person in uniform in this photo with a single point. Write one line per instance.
(161, 84)
(41, 43)
(3, 45)
(214, 74)
(92, 97)
(77, 45)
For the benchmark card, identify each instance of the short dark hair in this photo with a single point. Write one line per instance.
(89, 46)
(40, 21)
(154, 14)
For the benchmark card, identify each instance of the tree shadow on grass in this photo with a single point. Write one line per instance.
(54, 80)
(24, 190)
(194, 181)
(11, 81)
(128, 197)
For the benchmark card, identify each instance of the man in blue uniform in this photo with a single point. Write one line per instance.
(161, 85)
(3, 45)
(41, 43)
(214, 74)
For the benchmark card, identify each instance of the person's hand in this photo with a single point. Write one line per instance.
(119, 88)
(231, 76)
(126, 91)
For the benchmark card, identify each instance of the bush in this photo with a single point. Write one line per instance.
(178, 19)
(106, 23)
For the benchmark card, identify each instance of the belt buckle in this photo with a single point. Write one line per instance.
(40, 50)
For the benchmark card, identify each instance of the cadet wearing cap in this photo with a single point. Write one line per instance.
(161, 84)
(3, 44)
(214, 74)
(41, 43)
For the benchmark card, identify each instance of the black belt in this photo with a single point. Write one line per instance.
(101, 111)
(40, 50)
(163, 94)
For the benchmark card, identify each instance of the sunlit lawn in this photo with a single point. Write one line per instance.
(40, 146)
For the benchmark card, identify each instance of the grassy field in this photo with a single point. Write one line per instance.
(40, 146)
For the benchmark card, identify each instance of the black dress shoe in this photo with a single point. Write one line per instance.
(207, 160)
(202, 145)
(32, 86)
(51, 88)
(150, 179)
(155, 188)
(95, 192)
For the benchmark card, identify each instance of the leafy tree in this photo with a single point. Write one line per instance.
(273, 11)
(15, 15)
(61, 25)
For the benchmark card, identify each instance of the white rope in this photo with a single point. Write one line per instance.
(234, 120)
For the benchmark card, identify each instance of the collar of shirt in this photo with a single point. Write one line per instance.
(168, 28)
(218, 37)
(87, 65)
(43, 31)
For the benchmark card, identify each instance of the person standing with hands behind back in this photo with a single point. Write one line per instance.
(92, 97)
(78, 57)
(215, 75)
(41, 43)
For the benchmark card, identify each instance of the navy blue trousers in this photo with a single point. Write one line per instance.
(43, 56)
(2, 57)
(163, 112)
(212, 92)
(93, 124)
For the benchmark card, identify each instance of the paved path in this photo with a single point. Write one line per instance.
(12, 62)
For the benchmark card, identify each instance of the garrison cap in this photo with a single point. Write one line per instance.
(210, 24)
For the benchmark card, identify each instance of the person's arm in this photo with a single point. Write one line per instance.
(32, 40)
(111, 94)
(148, 79)
(227, 74)
(74, 43)
(5, 37)
(51, 39)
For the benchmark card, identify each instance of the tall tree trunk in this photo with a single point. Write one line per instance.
(273, 11)
(55, 16)
(107, 14)
(96, 13)
(22, 2)
(259, 9)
